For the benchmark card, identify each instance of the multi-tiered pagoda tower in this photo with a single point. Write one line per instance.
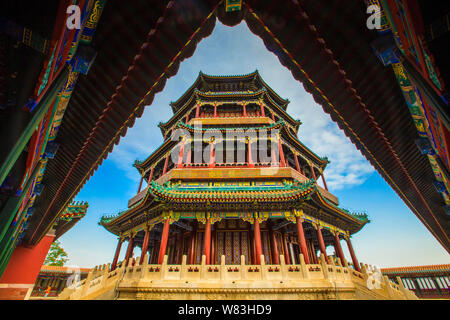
(232, 210)
(211, 194)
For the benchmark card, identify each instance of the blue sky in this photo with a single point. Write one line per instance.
(395, 237)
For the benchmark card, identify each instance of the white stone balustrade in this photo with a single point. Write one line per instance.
(102, 283)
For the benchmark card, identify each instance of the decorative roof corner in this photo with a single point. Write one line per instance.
(137, 163)
(77, 209)
(361, 216)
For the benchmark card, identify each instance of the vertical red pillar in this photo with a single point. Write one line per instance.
(287, 256)
(197, 111)
(297, 164)
(129, 250)
(140, 184)
(244, 107)
(166, 162)
(321, 243)
(257, 239)
(180, 156)
(273, 240)
(116, 255)
(164, 237)
(23, 268)
(338, 248)
(301, 240)
(215, 110)
(151, 175)
(145, 245)
(262, 110)
(314, 251)
(187, 117)
(312, 171)
(352, 254)
(212, 158)
(282, 159)
(207, 241)
(249, 154)
(192, 243)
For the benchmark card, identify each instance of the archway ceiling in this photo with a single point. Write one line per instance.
(326, 46)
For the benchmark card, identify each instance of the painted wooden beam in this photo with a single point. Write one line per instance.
(41, 111)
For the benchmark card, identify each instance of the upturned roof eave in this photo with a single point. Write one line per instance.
(357, 223)
(164, 125)
(320, 161)
(176, 105)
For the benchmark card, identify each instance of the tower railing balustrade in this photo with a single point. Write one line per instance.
(289, 276)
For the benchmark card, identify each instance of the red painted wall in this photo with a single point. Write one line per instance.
(23, 267)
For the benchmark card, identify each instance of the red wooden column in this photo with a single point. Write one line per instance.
(166, 162)
(257, 240)
(145, 245)
(338, 248)
(287, 256)
(249, 154)
(207, 241)
(155, 252)
(312, 171)
(262, 110)
(187, 117)
(197, 110)
(301, 240)
(164, 237)
(212, 158)
(314, 252)
(282, 159)
(321, 243)
(151, 175)
(352, 253)
(116, 255)
(129, 250)
(244, 109)
(215, 110)
(180, 155)
(273, 240)
(140, 184)
(297, 164)
(192, 243)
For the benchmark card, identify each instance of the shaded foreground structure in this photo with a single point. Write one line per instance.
(18, 280)
(232, 209)
(69, 95)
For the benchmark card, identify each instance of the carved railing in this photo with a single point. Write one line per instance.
(334, 273)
